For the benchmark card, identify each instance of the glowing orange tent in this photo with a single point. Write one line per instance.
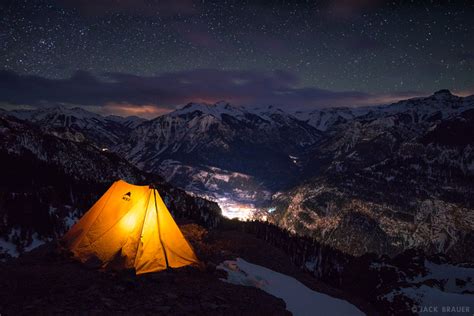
(130, 227)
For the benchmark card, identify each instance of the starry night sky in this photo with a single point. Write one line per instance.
(146, 57)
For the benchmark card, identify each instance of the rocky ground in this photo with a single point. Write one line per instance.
(45, 281)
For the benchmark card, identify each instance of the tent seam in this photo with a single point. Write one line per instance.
(159, 230)
(141, 230)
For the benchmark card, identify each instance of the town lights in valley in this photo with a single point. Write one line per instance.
(232, 209)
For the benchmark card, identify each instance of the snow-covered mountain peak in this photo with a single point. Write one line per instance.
(441, 103)
(443, 94)
(216, 109)
(222, 103)
(269, 109)
(266, 115)
(325, 118)
(128, 121)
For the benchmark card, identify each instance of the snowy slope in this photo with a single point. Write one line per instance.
(299, 299)
(129, 121)
(324, 119)
(444, 289)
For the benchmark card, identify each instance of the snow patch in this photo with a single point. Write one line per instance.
(433, 301)
(70, 220)
(271, 209)
(8, 248)
(449, 273)
(299, 299)
(311, 265)
(36, 242)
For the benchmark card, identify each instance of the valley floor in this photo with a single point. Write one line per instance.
(45, 282)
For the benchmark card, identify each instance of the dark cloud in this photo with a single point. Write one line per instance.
(168, 90)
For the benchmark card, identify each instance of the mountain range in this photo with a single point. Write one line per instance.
(395, 177)
(373, 179)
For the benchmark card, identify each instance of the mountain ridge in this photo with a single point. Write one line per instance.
(255, 161)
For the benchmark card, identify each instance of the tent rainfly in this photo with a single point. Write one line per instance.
(130, 227)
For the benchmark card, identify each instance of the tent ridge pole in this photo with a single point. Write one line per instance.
(159, 229)
(141, 230)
